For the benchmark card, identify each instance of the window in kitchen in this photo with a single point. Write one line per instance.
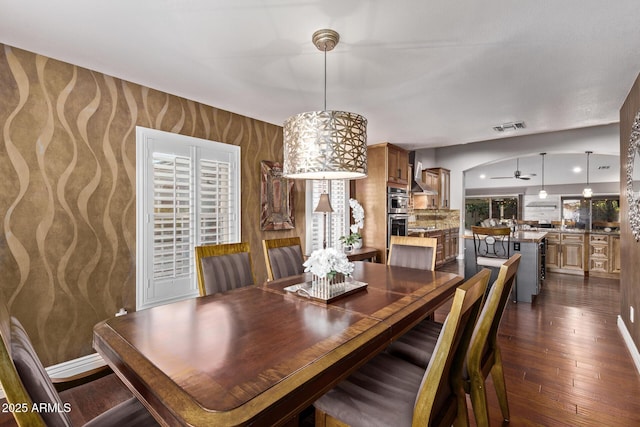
(478, 209)
(188, 194)
(337, 222)
(596, 213)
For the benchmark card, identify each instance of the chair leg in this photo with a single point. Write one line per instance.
(497, 375)
(462, 416)
(479, 400)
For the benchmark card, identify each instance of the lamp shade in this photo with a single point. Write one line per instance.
(542, 194)
(324, 204)
(325, 145)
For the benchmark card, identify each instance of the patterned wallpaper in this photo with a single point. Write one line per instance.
(67, 191)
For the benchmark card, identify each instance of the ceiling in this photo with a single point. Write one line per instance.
(424, 73)
(559, 169)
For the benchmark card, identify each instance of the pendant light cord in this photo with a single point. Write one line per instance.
(325, 78)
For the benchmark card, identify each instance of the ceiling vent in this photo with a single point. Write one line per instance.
(509, 126)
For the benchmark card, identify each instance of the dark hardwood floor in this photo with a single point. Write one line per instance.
(565, 361)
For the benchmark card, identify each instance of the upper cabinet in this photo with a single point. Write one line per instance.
(397, 165)
(439, 180)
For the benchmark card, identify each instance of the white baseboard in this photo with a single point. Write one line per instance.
(72, 367)
(626, 336)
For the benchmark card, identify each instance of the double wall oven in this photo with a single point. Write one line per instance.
(397, 212)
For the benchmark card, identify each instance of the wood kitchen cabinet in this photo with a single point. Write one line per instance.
(397, 165)
(572, 251)
(371, 192)
(553, 251)
(441, 181)
(604, 254)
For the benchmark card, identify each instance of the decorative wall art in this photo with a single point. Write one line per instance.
(276, 191)
(633, 178)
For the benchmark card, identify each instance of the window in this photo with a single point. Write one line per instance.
(337, 222)
(595, 213)
(187, 195)
(478, 209)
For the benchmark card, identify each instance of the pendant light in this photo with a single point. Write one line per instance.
(325, 144)
(542, 194)
(587, 192)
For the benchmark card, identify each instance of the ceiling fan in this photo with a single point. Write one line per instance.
(516, 174)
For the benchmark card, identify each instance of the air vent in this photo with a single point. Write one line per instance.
(509, 126)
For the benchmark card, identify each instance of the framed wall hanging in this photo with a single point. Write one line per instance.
(276, 195)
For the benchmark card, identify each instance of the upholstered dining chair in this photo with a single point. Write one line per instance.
(25, 383)
(483, 358)
(223, 267)
(389, 391)
(283, 257)
(413, 252)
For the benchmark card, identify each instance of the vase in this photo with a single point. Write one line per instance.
(348, 248)
(357, 244)
(325, 288)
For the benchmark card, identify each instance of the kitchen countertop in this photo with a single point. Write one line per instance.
(578, 231)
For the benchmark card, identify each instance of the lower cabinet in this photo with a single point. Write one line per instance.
(583, 253)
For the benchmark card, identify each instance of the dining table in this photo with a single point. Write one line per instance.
(260, 355)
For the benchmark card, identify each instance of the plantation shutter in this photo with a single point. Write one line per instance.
(188, 195)
(337, 222)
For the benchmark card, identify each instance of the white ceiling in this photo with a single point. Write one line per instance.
(559, 169)
(424, 73)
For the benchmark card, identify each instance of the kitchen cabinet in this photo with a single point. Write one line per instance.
(397, 165)
(439, 235)
(604, 254)
(615, 255)
(583, 253)
(552, 254)
(572, 251)
(441, 180)
(371, 191)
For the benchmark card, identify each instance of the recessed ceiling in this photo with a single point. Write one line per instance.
(425, 74)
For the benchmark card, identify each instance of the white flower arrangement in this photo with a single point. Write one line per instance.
(327, 263)
(357, 211)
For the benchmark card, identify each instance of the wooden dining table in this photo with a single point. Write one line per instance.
(260, 355)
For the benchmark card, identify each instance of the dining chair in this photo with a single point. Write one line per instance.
(283, 257)
(413, 252)
(492, 248)
(492, 245)
(223, 267)
(388, 390)
(483, 358)
(26, 383)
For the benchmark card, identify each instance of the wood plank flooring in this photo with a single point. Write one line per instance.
(565, 361)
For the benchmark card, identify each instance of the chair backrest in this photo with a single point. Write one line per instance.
(491, 242)
(283, 257)
(223, 267)
(24, 379)
(413, 252)
(485, 336)
(437, 400)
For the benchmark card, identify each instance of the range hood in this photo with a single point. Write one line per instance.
(418, 186)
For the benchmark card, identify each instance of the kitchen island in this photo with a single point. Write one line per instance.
(531, 245)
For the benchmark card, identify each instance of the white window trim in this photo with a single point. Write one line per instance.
(172, 144)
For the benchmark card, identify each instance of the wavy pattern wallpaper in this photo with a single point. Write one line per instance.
(67, 191)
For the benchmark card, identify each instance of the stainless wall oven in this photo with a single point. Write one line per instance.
(397, 201)
(398, 226)
(397, 213)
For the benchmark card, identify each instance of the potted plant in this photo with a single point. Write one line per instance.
(354, 240)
